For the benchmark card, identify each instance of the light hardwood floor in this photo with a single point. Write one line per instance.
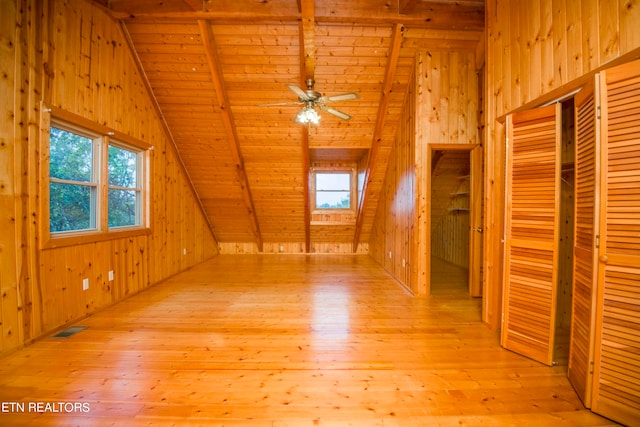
(287, 341)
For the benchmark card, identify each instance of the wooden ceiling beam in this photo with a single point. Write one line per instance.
(307, 40)
(196, 5)
(372, 163)
(406, 7)
(307, 32)
(229, 125)
(306, 166)
(464, 23)
(435, 14)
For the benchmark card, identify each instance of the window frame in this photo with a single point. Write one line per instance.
(103, 137)
(351, 171)
(93, 183)
(139, 188)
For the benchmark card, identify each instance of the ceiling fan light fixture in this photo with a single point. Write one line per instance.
(308, 115)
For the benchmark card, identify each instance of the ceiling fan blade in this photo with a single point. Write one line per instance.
(343, 116)
(302, 95)
(340, 97)
(280, 103)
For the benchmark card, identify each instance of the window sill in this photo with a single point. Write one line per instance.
(74, 239)
(332, 223)
(333, 211)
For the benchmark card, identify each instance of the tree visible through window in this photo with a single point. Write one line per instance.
(124, 194)
(79, 200)
(333, 190)
(72, 184)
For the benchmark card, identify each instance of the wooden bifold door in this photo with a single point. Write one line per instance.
(531, 253)
(604, 348)
(616, 363)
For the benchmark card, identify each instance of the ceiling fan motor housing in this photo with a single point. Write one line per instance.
(312, 94)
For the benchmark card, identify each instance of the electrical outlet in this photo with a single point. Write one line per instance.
(85, 284)
(281, 248)
(390, 254)
(110, 275)
(184, 251)
(404, 262)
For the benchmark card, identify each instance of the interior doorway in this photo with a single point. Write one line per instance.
(450, 222)
(455, 219)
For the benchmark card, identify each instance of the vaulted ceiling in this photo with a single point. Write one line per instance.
(209, 64)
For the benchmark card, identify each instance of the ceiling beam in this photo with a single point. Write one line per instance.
(229, 124)
(196, 5)
(444, 15)
(307, 39)
(406, 7)
(307, 28)
(306, 166)
(372, 163)
(422, 38)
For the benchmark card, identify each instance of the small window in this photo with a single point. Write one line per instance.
(73, 182)
(332, 190)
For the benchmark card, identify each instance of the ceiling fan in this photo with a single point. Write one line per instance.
(311, 99)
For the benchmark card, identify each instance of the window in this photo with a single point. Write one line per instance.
(333, 189)
(96, 181)
(72, 181)
(124, 192)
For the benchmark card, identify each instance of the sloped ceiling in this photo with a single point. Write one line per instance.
(209, 64)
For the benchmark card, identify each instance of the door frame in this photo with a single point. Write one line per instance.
(475, 215)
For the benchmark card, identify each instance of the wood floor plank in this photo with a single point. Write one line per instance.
(253, 340)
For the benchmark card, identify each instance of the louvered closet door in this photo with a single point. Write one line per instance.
(617, 348)
(532, 191)
(584, 253)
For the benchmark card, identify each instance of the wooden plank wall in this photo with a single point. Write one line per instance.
(448, 87)
(319, 247)
(69, 54)
(445, 95)
(537, 51)
(9, 320)
(390, 242)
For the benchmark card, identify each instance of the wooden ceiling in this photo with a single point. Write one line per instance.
(210, 63)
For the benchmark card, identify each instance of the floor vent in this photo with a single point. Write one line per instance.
(70, 331)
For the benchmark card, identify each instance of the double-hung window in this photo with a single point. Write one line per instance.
(333, 189)
(73, 180)
(97, 183)
(125, 191)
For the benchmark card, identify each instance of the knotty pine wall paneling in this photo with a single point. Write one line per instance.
(9, 144)
(69, 54)
(238, 248)
(391, 234)
(442, 108)
(447, 110)
(538, 51)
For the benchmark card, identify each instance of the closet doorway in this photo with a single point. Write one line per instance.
(455, 219)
